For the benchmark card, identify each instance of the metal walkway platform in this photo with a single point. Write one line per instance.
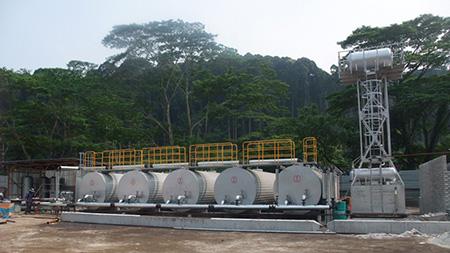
(213, 224)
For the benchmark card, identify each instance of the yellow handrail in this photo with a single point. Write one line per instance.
(89, 159)
(310, 153)
(213, 152)
(275, 149)
(118, 157)
(164, 155)
(268, 149)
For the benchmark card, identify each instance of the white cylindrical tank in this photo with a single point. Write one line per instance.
(141, 187)
(299, 185)
(370, 59)
(244, 187)
(389, 173)
(189, 187)
(100, 187)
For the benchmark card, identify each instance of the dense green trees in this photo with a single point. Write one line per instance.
(173, 84)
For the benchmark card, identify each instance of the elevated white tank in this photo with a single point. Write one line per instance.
(370, 59)
(141, 187)
(99, 187)
(299, 185)
(189, 187)
(244, 187)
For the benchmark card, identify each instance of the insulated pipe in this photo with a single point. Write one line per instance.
(94, 204)
(307, 207)
(205, 206)
(272, 207)
(136, 205)
(186, 206)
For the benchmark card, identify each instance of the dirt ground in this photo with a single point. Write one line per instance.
(32, 234)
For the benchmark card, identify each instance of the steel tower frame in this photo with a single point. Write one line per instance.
(374, 123)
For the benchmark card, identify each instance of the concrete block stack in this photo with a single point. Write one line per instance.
(434, 186)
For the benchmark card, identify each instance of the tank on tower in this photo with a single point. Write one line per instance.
(377, 188)
(244, 187)
(368, 59)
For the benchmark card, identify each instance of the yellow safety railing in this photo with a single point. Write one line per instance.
(91, 159)
(208, 152)
(310, 153)
(164, 155)
(268, 149)
(120, 157)
(213, 152)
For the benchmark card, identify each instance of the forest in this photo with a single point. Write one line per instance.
(173, 83)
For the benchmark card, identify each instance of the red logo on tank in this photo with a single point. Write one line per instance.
(296, 178)
(234, 179)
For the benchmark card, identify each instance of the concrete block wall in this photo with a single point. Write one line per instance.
(434, 186)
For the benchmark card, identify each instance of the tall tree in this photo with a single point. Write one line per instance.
(173, 46)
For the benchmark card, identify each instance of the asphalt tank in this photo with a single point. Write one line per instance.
(299, 184)
(245, 187)
(141, 187)
(185, 186)
(99, 187)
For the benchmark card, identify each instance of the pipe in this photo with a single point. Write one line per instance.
(52, 204)
(94, 204)
(136, 205)
(273, 207)
(205, 206)
(306, 207)
(185, 206)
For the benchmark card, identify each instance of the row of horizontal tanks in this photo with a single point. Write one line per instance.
(298, 184)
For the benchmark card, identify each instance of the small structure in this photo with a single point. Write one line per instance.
(49, 177)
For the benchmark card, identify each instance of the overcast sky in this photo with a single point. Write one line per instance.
(47, 33)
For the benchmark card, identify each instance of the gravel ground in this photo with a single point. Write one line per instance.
(32, 234)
